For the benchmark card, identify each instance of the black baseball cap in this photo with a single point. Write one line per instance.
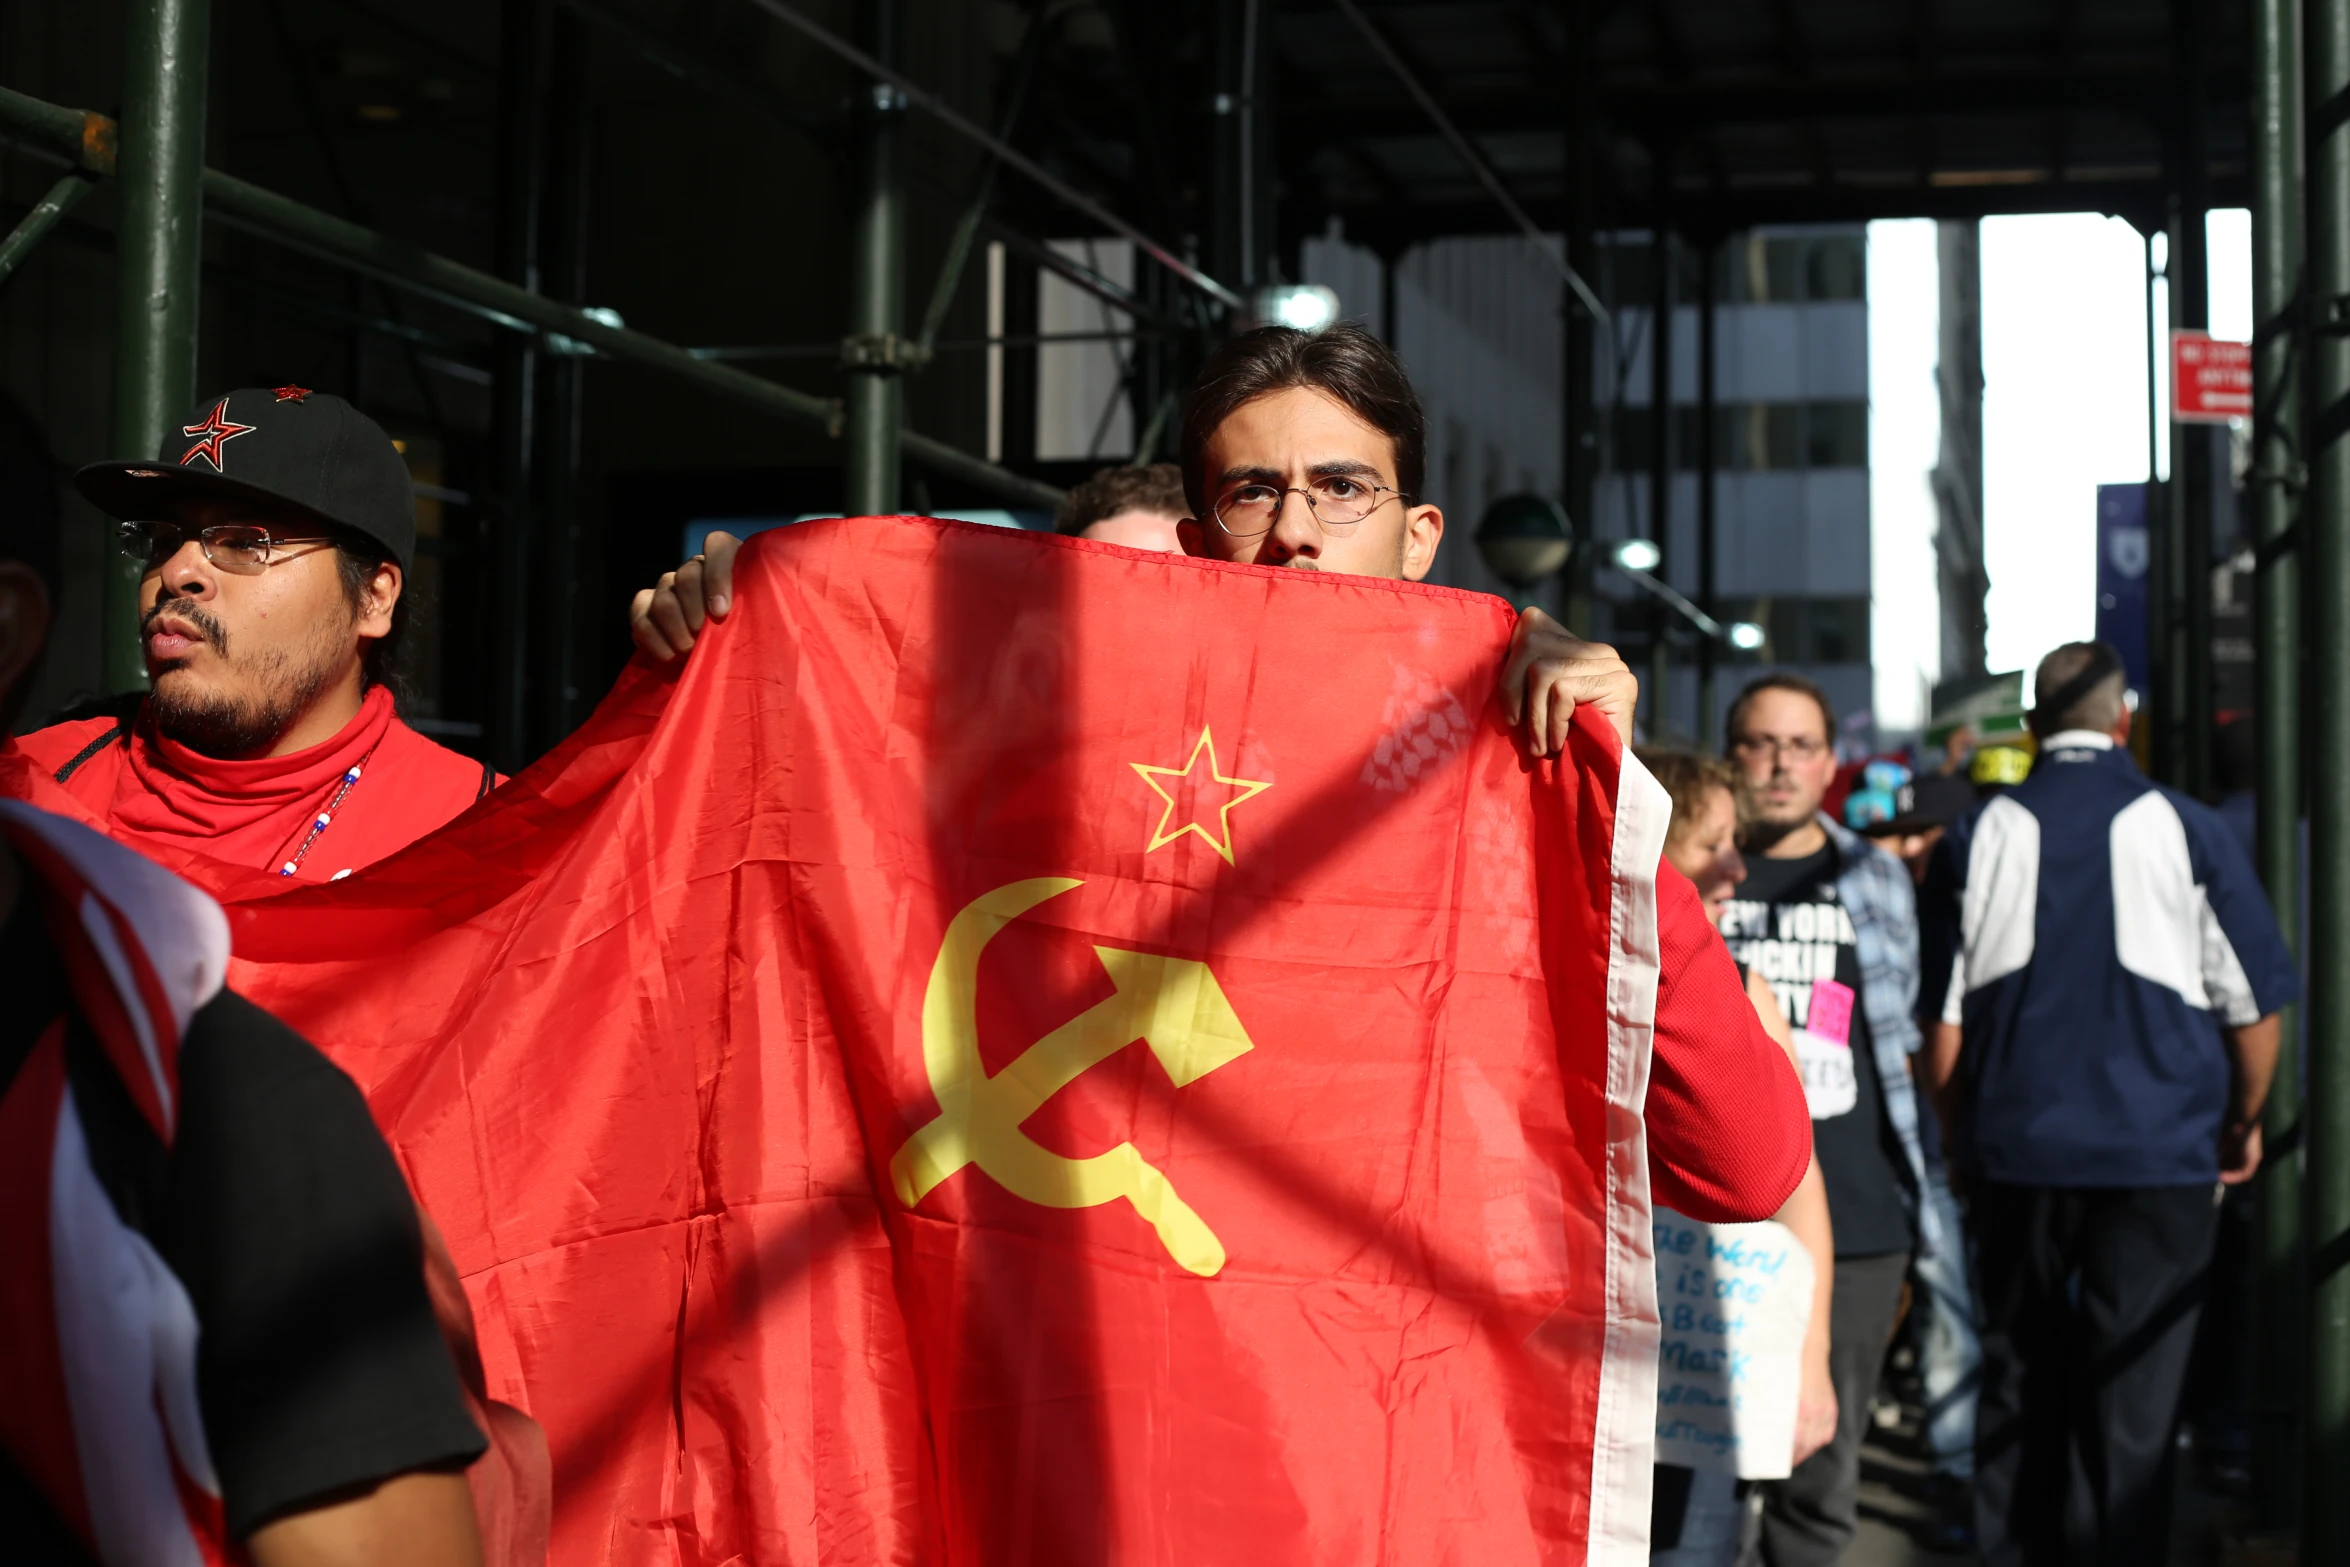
(1935, 800)
(282, 448)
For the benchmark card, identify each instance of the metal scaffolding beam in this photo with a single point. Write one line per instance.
(2276, 435)
(42, 221)
(2326, 1534)
(877, 350)
(87, 140)
(1467, 152)
(922, 98)
(2194, 460)
(158, 265)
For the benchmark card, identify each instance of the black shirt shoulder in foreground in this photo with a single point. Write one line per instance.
(320, 1367)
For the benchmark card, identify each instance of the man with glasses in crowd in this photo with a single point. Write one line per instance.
(1830, 919)
(1308, 451)
(273, 534)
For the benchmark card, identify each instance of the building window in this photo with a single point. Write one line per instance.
(1749, 269)
(1753, 437)
(1791, 269)
(1806, 630)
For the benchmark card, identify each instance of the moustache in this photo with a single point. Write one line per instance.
(211, 630)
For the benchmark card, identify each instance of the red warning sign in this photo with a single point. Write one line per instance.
(2210, 379)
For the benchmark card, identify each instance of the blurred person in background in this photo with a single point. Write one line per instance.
(2109, 976)
(1830, 920)
(1698, 1518)
(1928, 807)
(1136, 507)
(1941, 1321)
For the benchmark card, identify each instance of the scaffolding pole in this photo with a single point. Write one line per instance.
(1660, 449)
(2193, 460)
(1707, 727)
(2326, 1534)
(875, 354)
(555, 706)
(158, 267)
(2276, 425)
(514, 384)
(87, 141)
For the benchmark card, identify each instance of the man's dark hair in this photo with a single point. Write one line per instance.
(1158, 487)
(1778, 680)
(356, 559)
(2080, 685)
(1344, 361)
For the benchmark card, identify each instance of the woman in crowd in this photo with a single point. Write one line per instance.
(1699, 1515)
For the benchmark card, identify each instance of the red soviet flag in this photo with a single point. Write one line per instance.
(1034, 1053)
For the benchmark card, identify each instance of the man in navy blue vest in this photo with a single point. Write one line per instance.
(2108, 976)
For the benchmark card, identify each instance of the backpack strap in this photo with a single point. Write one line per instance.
(74, 764)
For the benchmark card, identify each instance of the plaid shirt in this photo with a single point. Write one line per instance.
(1875, 890)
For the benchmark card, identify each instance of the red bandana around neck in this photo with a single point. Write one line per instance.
(246, 812)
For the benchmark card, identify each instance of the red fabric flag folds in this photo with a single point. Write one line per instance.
(1035, 1053)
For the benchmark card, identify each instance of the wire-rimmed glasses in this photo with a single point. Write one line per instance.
(1337, 501)
(242, 549)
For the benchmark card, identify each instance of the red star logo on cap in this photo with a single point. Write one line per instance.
(212, 434)
(291, 394)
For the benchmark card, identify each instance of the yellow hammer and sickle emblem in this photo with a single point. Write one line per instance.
(1174, 1005)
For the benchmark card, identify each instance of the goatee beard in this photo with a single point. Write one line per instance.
(223, 727)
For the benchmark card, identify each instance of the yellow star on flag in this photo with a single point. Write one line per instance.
(1192, 787)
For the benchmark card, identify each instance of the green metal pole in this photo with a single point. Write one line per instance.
(2158, 707)
(875, 352)
(1580, 448)
(1660, 448)
(2192, 455)
(514, 383)
(2326, 1534)
(158, 268)
(47, 213)
(1707, 726)
(2276, 305)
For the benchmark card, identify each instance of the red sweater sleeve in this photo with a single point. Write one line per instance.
(1729, 1133)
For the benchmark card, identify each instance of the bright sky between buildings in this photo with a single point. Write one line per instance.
(2064, 410)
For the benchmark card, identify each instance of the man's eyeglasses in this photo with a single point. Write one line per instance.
(238, 548)
(1803, 748)
(1338, 501)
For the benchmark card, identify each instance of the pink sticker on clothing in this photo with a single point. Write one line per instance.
(1830, 1014)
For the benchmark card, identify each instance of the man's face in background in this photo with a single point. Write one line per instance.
(1785, 759)
(1137, 529)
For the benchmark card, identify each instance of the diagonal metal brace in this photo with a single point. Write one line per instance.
(67, 194)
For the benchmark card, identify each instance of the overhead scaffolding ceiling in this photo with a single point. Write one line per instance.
(1766, 111)
(696, 163)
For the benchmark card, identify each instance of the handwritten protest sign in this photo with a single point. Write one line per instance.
(1735, 1299)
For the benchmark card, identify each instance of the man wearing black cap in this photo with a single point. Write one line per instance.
(274, 530)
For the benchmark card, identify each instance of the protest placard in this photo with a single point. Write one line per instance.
(1735, 1300)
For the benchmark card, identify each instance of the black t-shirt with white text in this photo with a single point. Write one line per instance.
(1789, 925)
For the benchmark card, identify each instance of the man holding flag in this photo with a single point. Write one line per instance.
(274, 532)
(1308, 451)
(768, 1052)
